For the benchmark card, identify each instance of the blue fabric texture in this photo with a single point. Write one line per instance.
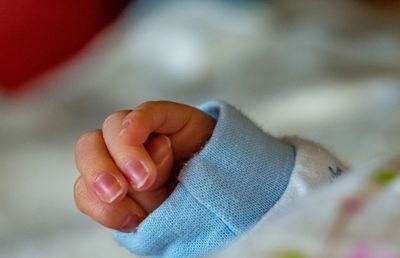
(222, 192)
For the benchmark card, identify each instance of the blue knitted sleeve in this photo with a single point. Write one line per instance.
(223, 190)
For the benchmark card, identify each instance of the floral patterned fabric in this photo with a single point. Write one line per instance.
(357, 216)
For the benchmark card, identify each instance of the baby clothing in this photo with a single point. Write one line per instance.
(240, 176)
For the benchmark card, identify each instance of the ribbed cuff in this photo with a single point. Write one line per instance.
(223, 190)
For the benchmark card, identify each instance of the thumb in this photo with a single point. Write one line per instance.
(160, 150)
(188, 128)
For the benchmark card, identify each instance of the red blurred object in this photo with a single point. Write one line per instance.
(36, 35)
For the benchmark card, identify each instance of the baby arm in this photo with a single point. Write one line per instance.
(239, 176)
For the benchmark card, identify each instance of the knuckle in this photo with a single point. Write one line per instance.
(85, 138)
(116, 116)
(140, 111)
(79, 196)
(80, 207)
(149, 103)
(110, 119)
(105, 216)
(122, 157)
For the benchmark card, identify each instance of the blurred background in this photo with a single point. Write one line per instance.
(324, 70)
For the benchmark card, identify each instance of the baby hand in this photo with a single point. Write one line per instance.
(125, 168)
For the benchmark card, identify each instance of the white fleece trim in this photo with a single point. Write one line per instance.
(311, 170)
(314, 166)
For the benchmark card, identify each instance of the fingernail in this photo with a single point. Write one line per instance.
(131, 223)
(125, 125)
(137, 173)
(107, 188)
(122, 132)
(161, 152)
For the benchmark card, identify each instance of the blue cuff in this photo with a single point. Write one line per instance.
(223, 191)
